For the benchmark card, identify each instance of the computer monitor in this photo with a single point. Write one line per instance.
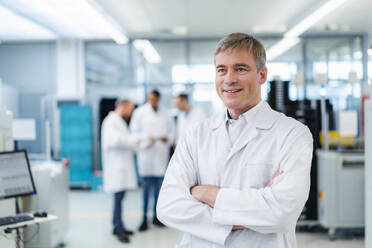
(15, 175)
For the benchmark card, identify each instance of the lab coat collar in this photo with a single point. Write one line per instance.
(248, 115)
(115, 115)
(263, 119)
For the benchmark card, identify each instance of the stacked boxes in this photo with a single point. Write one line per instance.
(76, 142)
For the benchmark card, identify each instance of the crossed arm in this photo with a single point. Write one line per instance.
(207, 194)
(189, 207)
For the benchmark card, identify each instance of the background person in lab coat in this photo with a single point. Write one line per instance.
(155, 122)
(119, 174)
(188, 115)
(242, 177)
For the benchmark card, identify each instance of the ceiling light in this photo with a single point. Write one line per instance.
(338, 27)
(281, 47)
(112, 28)
(180, 30)
(147, 50)
(290, 37)
(83, 19)
(21, 27)
(313, 18)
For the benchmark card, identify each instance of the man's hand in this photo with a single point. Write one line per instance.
(235, 228)
(208, 193)
(278, 173)
(151, 140)
(145, 143)
(205, 193)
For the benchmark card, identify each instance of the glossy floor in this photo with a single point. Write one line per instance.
(90, 226)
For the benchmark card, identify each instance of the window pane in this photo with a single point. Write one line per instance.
(171, 53)
(107, 63)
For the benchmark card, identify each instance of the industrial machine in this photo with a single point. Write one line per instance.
(308, 113)
(340, 190)
(52, 182)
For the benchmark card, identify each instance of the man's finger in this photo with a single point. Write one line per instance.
(278, 173)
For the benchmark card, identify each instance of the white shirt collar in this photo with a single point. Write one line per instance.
(248, 115)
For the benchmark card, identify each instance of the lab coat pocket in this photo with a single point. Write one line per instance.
(255, 174)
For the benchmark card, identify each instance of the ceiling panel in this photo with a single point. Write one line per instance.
(354, 13)
(207, 18)
(213, 18)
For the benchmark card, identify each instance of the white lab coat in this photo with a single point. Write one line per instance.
(270, 142)
(188, 120)
(118, 145)
(153, 161)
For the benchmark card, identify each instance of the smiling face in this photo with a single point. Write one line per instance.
(238, 82)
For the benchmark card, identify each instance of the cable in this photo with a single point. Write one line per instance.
(17, 237)
(7, 236)
(33, 235)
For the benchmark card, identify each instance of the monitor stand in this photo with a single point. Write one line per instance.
(17, 208)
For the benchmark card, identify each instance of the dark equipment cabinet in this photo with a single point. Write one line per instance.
(308, 113)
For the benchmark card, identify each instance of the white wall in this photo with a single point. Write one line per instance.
(70, 70)
(29, 71)
(41, 72)
(29, 67)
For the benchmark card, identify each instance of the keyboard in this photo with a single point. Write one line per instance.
(8, 220)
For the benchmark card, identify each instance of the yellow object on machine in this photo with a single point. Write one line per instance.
(335, 139)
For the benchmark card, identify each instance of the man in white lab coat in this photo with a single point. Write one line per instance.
(152, 120)
(119, 174)
(242, 177)
(188, 116)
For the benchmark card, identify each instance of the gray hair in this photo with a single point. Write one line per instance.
(121, 101)
(243, 41)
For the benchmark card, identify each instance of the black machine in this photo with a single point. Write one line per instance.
(307, 112)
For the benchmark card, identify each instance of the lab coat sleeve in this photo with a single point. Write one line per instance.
(176, 206)
(272, 209)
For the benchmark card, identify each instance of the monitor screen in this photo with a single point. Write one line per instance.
(15, 175)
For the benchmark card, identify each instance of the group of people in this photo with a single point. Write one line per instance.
(150, 132)
(237, 179)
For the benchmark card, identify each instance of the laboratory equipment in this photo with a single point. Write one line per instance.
(340, 190)
(52, 181)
